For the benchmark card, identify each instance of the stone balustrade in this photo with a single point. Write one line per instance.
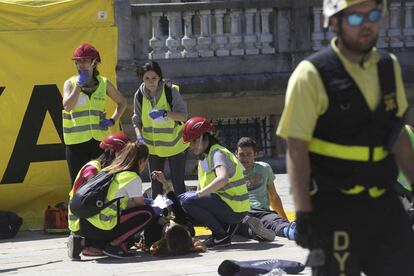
(238, 28)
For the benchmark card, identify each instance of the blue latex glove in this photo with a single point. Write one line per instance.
(106, 123)
(148, 201)
(187, 196)
(83, 76)
(157, 211)
(157, 113)
(140, 140)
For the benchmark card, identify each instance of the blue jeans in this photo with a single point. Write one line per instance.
(213, 212)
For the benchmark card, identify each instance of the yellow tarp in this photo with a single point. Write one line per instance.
(36, 45)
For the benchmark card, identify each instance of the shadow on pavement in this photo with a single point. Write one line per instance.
(16, 269)
(144, 257)
(37, 235)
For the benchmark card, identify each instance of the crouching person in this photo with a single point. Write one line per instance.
(119, 232)
(222, 198)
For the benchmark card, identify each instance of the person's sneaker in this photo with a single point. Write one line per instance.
(259, 230)
(92, 251)
(118, 251)
(215, 242)
(290, 231)
(74, 247)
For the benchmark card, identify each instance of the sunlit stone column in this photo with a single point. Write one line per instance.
(188, 41)
(408, 30)
(266, 37)
(204, 40)
(172, 41)
(250, 37)
(235, 37)
(395, 25)
(220, 39)
(156, 42)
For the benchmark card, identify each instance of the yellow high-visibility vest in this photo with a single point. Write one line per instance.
(235, 193)
(107, 218)
(73, 221)
(163, 136)
(81, 124)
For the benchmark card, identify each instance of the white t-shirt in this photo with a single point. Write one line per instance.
(131, 190)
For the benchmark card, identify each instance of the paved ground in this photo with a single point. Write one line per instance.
(35, 253)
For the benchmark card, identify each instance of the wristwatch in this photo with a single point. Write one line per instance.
(165, 113)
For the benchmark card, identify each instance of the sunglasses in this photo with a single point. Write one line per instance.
(357, 19)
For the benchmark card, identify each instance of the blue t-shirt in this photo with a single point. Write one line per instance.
(257, 180)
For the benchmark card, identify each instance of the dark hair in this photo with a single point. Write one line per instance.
(128, 158)
(176, 240)
(149, 66)
(247, 142)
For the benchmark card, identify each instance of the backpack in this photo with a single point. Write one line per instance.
(9, 224)
(168, 94)
(90, 199)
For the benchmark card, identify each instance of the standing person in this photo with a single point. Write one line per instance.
(342, 120)
(261, 223)
(111, 145)
(118, 233)
(222, 197)
(159, 111)
(84, 97)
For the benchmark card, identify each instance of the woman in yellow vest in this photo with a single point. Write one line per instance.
(118, 232)
(111, 145)
(222, 197)
(159, 111)
(84, 97)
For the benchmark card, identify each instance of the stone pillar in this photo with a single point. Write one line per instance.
(266, 37)
(188, 41)
(156, 42)
(408, 30)
(220, 39)
(172, 41)
(317, 34)
(235, 38)
(204, 40)
(383, 39)
(394, 32)
(250, 37)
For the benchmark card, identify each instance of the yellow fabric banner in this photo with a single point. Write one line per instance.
(35, 63)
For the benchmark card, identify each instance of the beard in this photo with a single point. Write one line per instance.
(354, 45)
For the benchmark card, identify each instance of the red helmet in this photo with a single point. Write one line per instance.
(115, 141)
(86, 51)
(195, 127)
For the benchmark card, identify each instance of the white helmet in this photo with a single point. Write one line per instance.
(332, 7)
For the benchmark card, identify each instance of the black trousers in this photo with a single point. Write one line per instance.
(132, 221)
(78, 155)
(177, 170)
(359, 233)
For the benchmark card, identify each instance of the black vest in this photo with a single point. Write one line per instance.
(349, 121)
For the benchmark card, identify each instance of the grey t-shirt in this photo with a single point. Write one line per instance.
(218, 158)
(178, 102)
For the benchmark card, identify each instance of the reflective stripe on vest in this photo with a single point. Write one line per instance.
(81, 124)
(107, 218)
(235, 192)
(163, 136)
(353, 153)
(73, 221)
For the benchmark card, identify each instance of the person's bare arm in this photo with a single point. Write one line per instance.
(298, 167)
(70, 95)
(136, 201)
(275, 201)
(219, 182)
(117, 97)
